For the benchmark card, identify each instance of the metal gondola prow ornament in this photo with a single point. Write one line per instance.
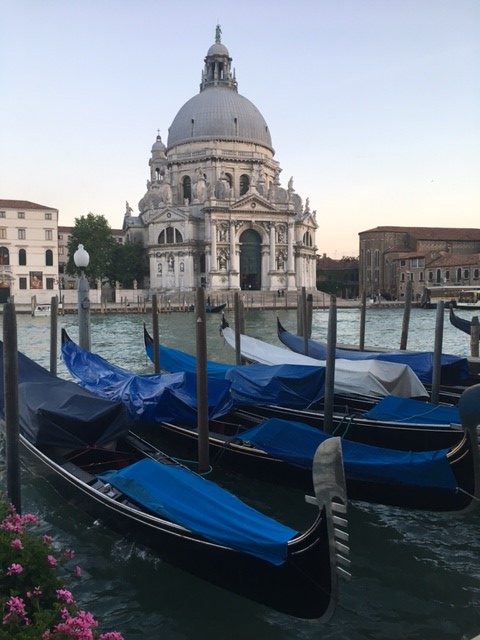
(331, 495)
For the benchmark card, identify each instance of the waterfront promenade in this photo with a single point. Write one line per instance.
(140, 301)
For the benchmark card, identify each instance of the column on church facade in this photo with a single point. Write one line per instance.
(272, 247)
(233, 253)
(213, 245)
(265, 268)
(290, 257)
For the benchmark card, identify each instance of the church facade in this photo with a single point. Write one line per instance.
(215, 213)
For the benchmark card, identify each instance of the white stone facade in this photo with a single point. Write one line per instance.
(28, 251)
(214, 213)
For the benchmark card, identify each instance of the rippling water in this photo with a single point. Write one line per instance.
(415, 575)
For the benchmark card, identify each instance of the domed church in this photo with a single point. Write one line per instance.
(215, 213)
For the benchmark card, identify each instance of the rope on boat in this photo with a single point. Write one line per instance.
(468, 494)
(193, 463)
(345, 419)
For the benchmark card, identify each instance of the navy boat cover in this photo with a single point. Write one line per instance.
(175, 493)
(149, 399)
(406, 410)
(296, 443)
(454, 369)
(59, 413)
(286, 385)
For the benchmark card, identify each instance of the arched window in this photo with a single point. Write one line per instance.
(170, 235)
(49, 258)
(307, 239)
(475, 274)
(22, 257)
(187, 188)
(459, 274)
(229, 179)
(447, 276)
(244, 184)
(439, 276)
(4, 256)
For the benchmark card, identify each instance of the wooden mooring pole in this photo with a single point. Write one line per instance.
(437, 352)
(10, 377)
(330, 366)
(156, 335)
(474, 337)
(202, 389)
(363, 317)
(406, 316)
(53, 334)
(238, 326)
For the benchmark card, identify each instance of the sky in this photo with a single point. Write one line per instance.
(373, 105)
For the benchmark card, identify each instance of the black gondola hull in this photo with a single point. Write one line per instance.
(302, 587)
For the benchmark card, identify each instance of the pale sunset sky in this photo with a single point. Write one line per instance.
(373, 105)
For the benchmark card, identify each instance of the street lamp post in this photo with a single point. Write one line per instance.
(81, 259)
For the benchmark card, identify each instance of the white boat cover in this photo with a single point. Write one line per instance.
(360, 377)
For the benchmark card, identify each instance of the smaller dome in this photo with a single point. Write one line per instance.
(158, 145)
(218, 49)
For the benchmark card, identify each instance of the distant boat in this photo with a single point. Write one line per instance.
(41, 310)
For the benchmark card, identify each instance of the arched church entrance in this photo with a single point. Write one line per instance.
(250, 260)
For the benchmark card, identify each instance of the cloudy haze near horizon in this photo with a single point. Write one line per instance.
(373, 106)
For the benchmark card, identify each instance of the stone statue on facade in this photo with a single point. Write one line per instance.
(128, 209)
(222, 187)
(166, 192)
(200, 186)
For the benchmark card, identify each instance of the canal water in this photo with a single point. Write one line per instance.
(416, 575)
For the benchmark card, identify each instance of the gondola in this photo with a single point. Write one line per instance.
(392, 422)
(460, 323)
(83, 444)
(453, 372)
(282, 450)
(210, 308)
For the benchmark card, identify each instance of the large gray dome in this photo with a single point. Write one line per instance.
(219, 112)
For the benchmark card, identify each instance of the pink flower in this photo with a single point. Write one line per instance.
(15, 611)
(13, 523)
(65, 595)
(47, 539)
(16, 544)
(111, 635)
(52, 561)
(77, 572)
(14, 569)
(30, 518)
(36, 593)
(69, 554)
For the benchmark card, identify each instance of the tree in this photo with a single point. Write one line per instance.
(94, 232)
(129, 263)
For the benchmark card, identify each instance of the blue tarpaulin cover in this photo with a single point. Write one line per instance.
(287, 385)
(176, 360)
(59, 413)
(406, 410)
(454, 369)
(177, 494)
(296, 443)
(149, 399)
